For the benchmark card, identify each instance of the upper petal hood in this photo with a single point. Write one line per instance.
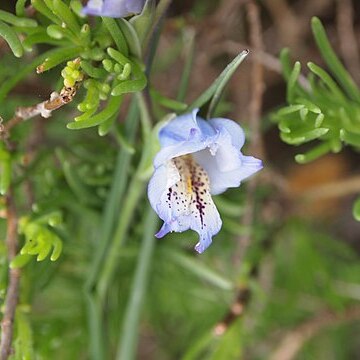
(113, 8)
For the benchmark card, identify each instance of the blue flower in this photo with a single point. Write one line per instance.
(197, 159)
(113, 8)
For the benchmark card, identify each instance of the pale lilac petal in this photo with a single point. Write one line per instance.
(179, 129)
(210, 226)
(227, 166)
(181, 148)
(234, 129)
(113, 8)
(231, 179)
(174, 217)
(197, 158)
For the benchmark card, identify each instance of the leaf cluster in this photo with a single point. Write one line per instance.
(323, 107)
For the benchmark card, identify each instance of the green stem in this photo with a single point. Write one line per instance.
(94, 305)
(116, 34)
(145, 116)
(134, 194)
(130, 331)
(189, 57)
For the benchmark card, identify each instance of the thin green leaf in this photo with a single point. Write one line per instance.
(20, 261)
(67, 17)
(57, 244)
(189, 51)
(43, 9)
(299, 137)
(130, 329)
(9, 35)
(356, 209)
(17, 20)
(131, 38)
(350, 138)
(5, 176)
(59, 56)
(112, 107)
(292, 82)
(108, 221)
(328, 81)
(219, 84)
(166, 102)
(223, 82)
(193, 265)
(142, 23)
(332, 60)
(117, 35)
(106, 126)
(20, 8)
(92, 71)
(314, 153)
(286, 64)
(41, 37)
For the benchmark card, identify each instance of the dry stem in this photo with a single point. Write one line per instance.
(335, 189)
(44, 109)
(236, 310)
(12, 294)
(256, 145)
(294, 340)
(22, 114)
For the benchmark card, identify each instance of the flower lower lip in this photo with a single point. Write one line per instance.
(191, 191)
(197, 158)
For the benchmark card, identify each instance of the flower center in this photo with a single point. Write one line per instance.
(191, 194)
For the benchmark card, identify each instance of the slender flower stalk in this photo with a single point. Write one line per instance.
(197, 159)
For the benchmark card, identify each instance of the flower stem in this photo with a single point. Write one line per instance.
(134, 194)
(129, 335)
(94, 303)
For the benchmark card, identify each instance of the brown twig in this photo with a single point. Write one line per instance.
(256, 145)
(236, 310)
(12, 293)
(44, 109)
(285, 21)
(294, 340)
(333, 189)
(22, 114)
(348, 41)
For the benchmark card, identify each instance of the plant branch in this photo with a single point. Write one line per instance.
(256, 145)
(295, 339)
(12, 293)
(335, 189)
(235, 311)
(44, 109)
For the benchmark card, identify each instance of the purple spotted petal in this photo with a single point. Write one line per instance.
(197, 159)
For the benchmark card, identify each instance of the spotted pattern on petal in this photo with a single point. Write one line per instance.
(191, 194)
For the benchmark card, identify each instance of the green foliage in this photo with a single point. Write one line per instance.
(356, 209)
(102, 284)
(5, 170)
(108, 71)
(39, 239)
(320, 108)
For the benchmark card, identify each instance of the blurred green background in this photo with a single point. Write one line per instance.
(291, 292)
